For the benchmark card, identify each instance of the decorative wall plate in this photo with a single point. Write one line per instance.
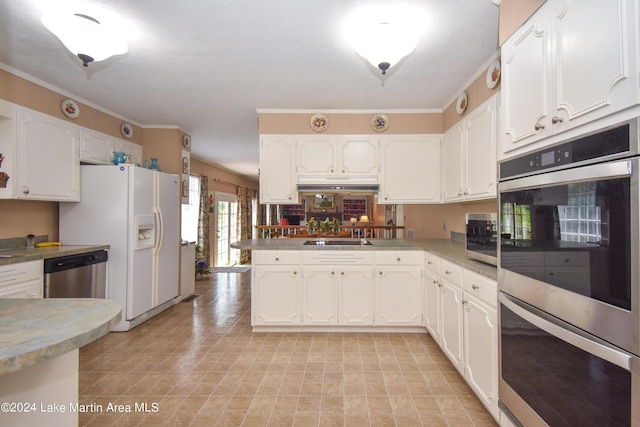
(186, 141)
(493, 74)
(461, 103)
(127, 130)
(70, 108)
(319, 122)
(379, 122)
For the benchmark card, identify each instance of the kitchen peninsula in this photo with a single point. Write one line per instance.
(39, 356)
(342, 285)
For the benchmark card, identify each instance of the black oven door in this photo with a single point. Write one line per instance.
(569, 246)
(554, 374)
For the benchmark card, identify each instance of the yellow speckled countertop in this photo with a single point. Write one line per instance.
(12, 256)
(35, 330)
(450, 250)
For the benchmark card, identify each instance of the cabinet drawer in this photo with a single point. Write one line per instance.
(337, 257)
(28, 289)
(275, 257)
(482, 287)
(566, 259)
(399, 257)
(21, 272)
(451, 272)
(432, 262)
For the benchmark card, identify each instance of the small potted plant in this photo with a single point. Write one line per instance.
(312, 225)
(202, 267)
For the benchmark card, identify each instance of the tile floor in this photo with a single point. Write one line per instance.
(199, 364)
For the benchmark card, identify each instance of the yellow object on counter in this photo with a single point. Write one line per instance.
(47, 244)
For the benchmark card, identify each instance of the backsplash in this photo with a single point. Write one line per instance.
(458, 237)
(19, 242)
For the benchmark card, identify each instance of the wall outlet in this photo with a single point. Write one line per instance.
(444, 225)
(410, 232)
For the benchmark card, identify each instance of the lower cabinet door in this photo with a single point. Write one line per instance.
(451, 323)
(355, 298)
(398, 296)
(481, 351)
(276, 295)
(319, 296)
(432, 306)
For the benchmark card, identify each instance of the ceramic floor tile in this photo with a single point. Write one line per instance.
(202, 365)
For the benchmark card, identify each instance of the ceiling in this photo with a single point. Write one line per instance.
(206, 65)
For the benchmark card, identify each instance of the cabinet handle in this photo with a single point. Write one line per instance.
(25, 191)
(464, 302)
(429, 262)
(277, 259)
(475, 287)
(295, 272)
(333, 272)
(289, 197)
(566, 260)
(342, 273)
(466, 193)
(331, 170)
(447, 272)
(550, 273)
(386, 198)
(398, 259)
(439, 285)
(380, 273)
(538, 126)
(555, 120)
(459, 192)
(344, 171)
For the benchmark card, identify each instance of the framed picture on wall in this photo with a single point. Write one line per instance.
(323, 201)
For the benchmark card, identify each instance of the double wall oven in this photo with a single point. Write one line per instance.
(569, 272)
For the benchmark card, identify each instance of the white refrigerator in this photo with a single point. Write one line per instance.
(137, 212)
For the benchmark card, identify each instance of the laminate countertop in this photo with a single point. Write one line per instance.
(12, 256)
(35, 330)
(449, 250)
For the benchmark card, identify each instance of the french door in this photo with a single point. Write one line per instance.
(226, 229)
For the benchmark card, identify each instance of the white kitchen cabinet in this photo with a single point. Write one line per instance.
(133, 150)
(47, 158)
(347, 156)
(451, 322)
(433, 305)
(319, 296)
(276, 288)
(481, 338)
(355, 296)
(398, 281)
(22, 280)
(409, 169)
(96, 148)
(277, 170)
(569, 64)
(469, 156)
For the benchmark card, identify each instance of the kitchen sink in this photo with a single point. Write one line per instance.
(362, 242)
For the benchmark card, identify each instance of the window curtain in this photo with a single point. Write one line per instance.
(244, 220)
(203, 220)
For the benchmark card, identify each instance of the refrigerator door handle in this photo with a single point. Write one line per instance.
(158, 233)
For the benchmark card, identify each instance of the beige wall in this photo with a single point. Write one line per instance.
(427, 220)
(513, 13)
(477, 93)
(19, 218)
(349, 123)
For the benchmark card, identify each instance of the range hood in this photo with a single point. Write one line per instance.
(338, 188)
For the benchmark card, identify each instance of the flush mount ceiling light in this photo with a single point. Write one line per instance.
(383, 37)
(85, 36)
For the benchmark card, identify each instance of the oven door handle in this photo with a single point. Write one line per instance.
(608, 170)
(573, 336)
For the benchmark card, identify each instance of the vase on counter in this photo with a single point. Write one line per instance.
(154, 165)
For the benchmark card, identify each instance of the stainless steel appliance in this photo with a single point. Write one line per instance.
(481, 241)
(76, 276)
(568, 280)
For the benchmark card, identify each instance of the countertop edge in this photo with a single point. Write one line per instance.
(112, 313)
(24, 255)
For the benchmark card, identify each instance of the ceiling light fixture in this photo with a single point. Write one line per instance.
(385, 37)
(85, 36)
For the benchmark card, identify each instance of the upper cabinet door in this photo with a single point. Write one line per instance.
(317, 156)
(133, 150)
(453, 163)
(525, 83)
(277, 170)
(358, 156)
(48, 164)
(595, 59)
(480, 154)
(96, 148)
(410, 169)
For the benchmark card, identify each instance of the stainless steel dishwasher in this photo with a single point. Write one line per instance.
(76, 276)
